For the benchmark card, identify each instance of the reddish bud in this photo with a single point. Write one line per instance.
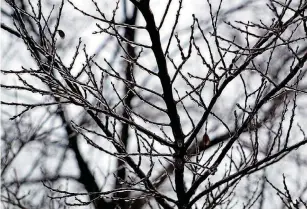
(206, 140)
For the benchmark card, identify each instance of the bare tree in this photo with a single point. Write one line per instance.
(171, 108)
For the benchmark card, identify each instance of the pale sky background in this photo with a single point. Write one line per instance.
(75, 25)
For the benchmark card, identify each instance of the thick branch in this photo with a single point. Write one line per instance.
(168, 98)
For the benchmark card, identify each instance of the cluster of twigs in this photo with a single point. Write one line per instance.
(177, 139)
